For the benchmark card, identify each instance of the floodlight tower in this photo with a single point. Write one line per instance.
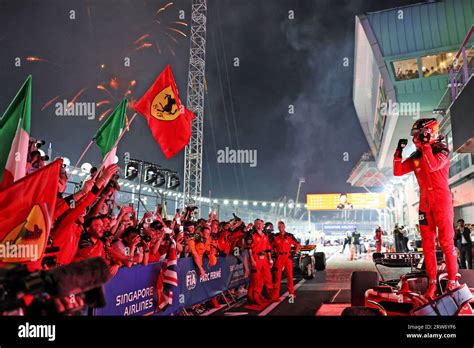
(195, 101)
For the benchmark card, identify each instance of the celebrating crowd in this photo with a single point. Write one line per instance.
(90, 223)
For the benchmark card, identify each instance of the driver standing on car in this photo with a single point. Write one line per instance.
(430, 162)
(282, 244)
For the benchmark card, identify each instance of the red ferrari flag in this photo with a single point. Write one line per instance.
(169, 121)
(26, 212)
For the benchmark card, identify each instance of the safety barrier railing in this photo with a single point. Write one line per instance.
(462, 67)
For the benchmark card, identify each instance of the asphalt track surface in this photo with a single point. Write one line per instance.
(331, 286)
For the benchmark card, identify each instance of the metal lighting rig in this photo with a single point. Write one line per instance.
(195, 102)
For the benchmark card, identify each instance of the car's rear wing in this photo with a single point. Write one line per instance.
(411, 259)
(307, 248)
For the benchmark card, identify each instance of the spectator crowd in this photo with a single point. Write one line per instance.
(90, 223)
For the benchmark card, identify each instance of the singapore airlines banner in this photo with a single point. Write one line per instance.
(132, 291)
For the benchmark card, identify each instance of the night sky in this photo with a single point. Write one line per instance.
(282, 62)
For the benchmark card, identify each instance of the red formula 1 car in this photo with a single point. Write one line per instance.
(372, 294)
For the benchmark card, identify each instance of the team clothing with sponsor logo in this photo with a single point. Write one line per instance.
(282, 246)
(198, 245)
(259, 246)
(431, 167)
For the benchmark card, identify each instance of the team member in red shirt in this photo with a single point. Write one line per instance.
(282, 244)
(68, 227)
(378, 239)
(261, 260)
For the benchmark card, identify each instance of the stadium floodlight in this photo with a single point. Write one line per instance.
(273, 204)
(254, 204)
(245, 202)
(264, 204)
(216, 201)
(86, 167)
(281, 205)
(150, 175)
(298, 205)
(131, 170)
(160, 180)
(236, 202)
(226, 201)
(173, 181)
(66, 161)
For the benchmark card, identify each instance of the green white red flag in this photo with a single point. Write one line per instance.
(14, 136)
(108, 134)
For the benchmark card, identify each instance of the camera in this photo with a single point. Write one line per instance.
(113, 183)
(145, 238)
(36, 143)
(236, 218)
(40, 143)
(107, 235)
(191, 208)
(49, 261)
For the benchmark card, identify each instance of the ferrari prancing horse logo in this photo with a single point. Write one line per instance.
(164, 106)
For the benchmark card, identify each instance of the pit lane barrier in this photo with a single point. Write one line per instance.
(132, 291)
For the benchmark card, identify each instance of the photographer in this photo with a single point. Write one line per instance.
(37, 162)
(463, 242)
(131, 248)
(125, 219)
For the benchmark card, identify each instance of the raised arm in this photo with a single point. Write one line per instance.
(401, 167)
(435, 161)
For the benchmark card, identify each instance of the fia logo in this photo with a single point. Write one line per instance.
(191, 280)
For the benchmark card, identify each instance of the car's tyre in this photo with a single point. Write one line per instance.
(320, 261)
(307, 267)
(360, 311)
(360, 282)
(467, 277)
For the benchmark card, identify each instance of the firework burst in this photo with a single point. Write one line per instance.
(71, 101)
(37, 59)
(113, 91)
(166, 35)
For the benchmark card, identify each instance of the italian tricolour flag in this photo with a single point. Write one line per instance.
(14, 136)
(108, 134)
